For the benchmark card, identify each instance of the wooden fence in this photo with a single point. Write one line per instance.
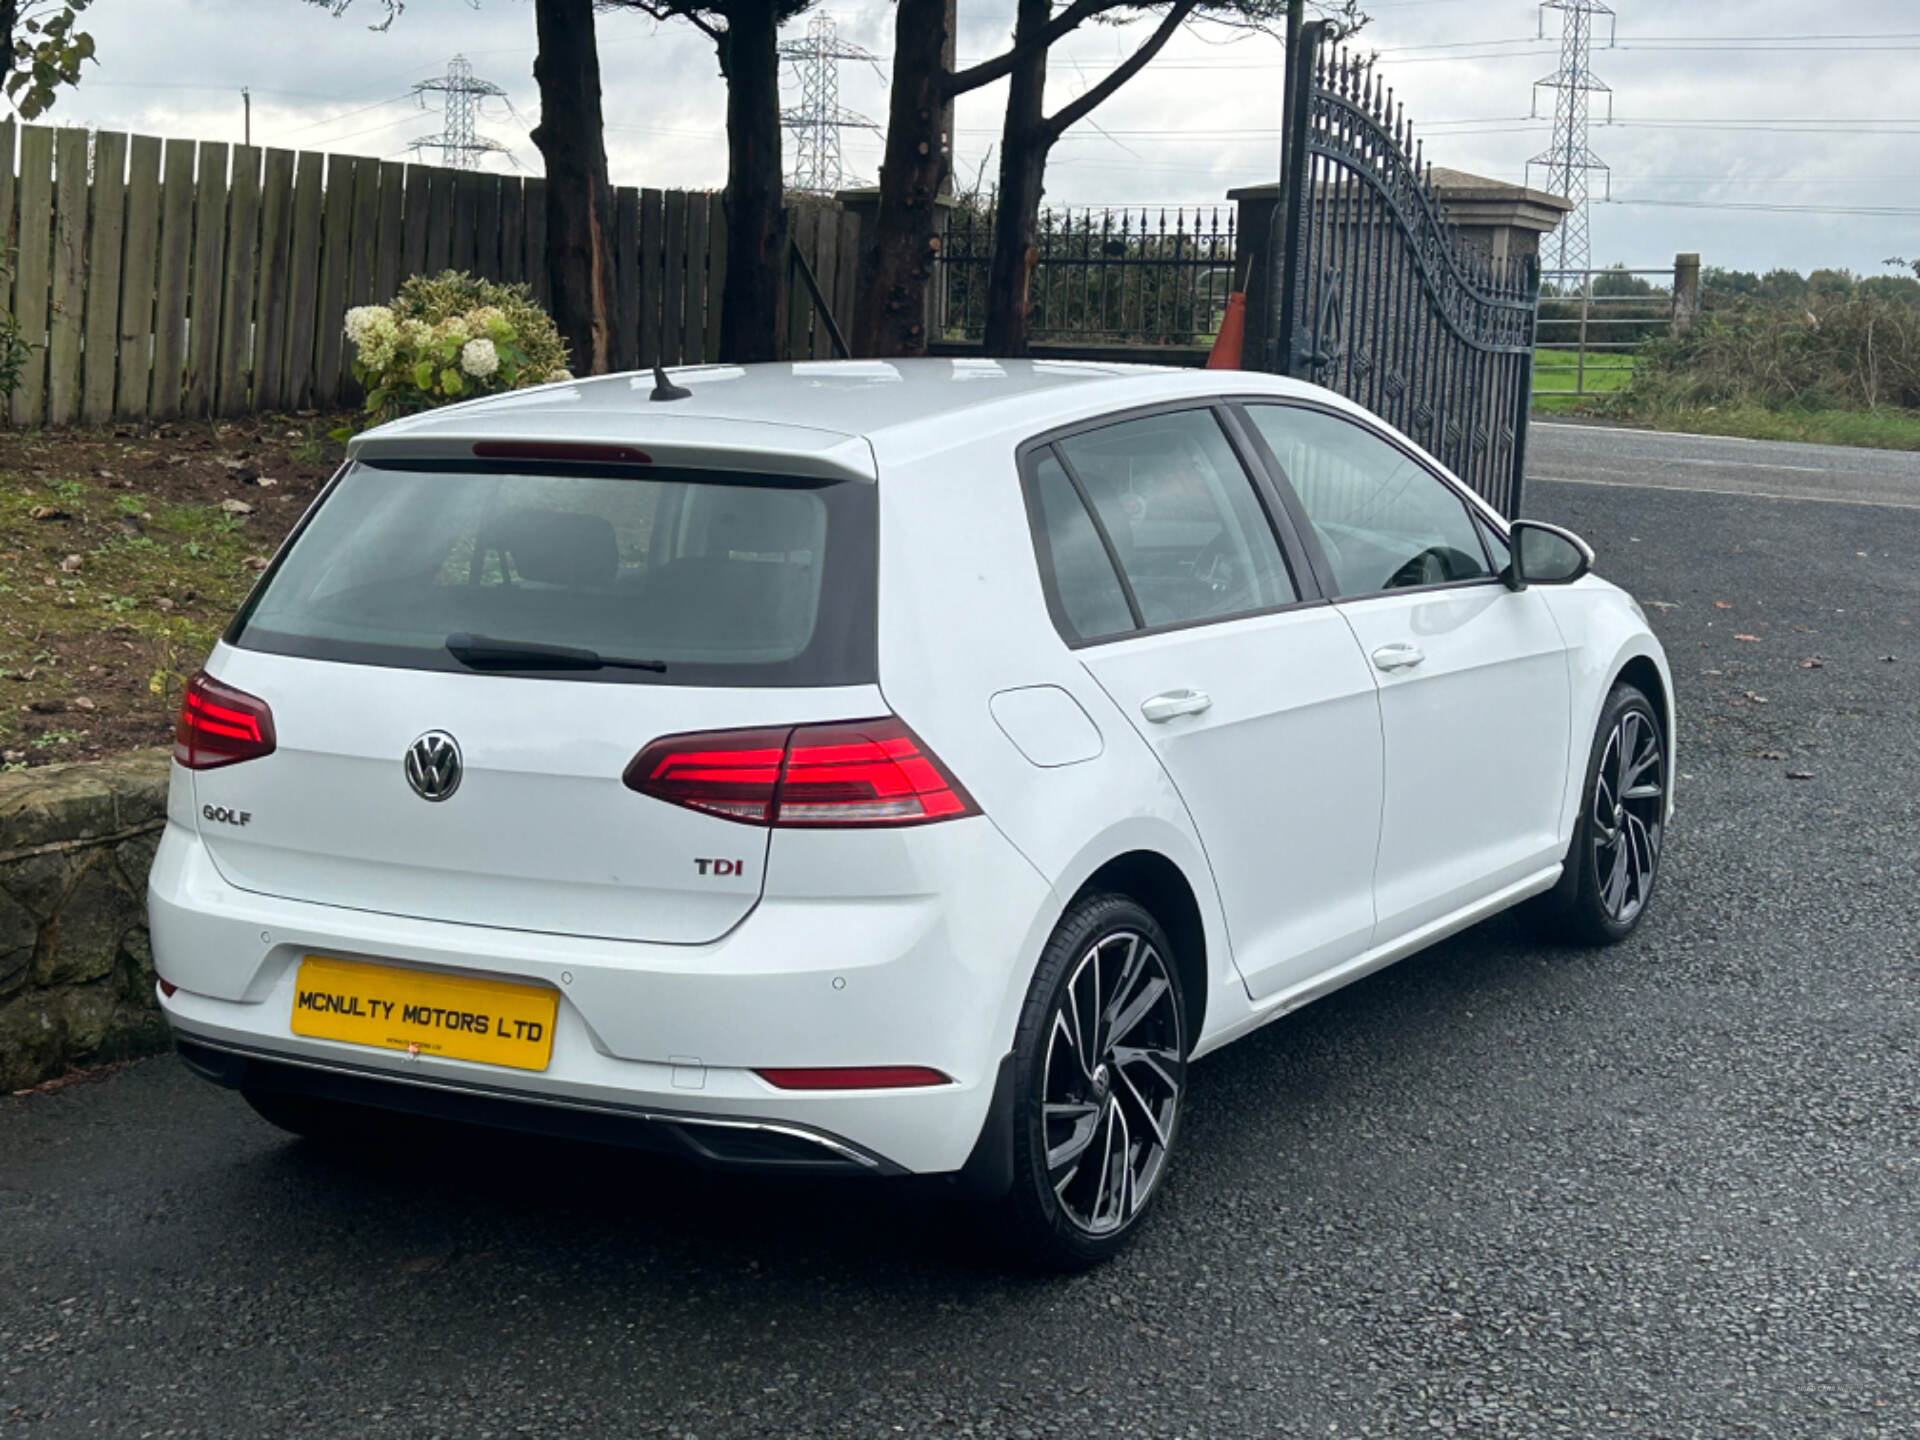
(183, 277)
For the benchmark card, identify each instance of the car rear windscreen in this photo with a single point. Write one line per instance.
(715, 578)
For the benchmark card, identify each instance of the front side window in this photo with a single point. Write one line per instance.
(1179, 511)
(1384, 522)
(719, 578)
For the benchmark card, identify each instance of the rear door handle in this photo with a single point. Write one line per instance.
(1398, 657)
(1161, 708)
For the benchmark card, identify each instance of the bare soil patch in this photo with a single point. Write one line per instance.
(123, 554)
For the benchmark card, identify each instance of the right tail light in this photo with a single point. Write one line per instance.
(851, 774)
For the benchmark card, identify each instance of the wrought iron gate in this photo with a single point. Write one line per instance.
(1379, 297)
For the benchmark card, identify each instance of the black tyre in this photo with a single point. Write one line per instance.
(1614, 861)
(1099, 1079)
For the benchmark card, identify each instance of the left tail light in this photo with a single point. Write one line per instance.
(220, 725)
(853, 774)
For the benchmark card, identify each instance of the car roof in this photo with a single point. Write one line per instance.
(844, 399)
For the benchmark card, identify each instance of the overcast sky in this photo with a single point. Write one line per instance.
(1760, 133)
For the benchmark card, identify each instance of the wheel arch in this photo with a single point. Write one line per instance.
(1640, 672)
(1160, 885)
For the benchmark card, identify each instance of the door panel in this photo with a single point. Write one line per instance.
(1280, 771)
(1476, 734)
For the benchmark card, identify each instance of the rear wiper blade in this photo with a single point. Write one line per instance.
(479, 652)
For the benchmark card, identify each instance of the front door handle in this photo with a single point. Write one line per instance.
(1398, 657)
(1162, 708)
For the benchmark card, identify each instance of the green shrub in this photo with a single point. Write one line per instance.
(451, 337)
(1859, 352)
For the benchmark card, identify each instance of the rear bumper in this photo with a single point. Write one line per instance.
(739, 1143)
(654, 1045)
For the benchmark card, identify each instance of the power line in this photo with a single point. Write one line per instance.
(1771, 207)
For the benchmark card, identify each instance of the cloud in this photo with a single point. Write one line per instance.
(1809, 124)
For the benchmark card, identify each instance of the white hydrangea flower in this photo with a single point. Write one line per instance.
(416, 334)
(478, 358)
(454, 327)
(368, 323)
(555, 377)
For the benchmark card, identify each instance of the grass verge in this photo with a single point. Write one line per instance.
(1883, 429)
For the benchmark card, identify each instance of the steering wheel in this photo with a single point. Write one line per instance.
(1429, 567)
(1215, 566)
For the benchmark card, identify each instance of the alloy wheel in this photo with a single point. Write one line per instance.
(1629, 800)
(1111, 1093)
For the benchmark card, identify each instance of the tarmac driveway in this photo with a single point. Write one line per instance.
(1668, 1190)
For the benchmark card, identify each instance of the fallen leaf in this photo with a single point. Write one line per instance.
(1721, 605)
(1756, 699)
(236, 507)
(1813, 662)
(265, 481)
(71, 564)
(81, 702)
(1799, 774)
(163, 603)
(255, 562)
(1664, 604)
(1754, 638)
(47, 512)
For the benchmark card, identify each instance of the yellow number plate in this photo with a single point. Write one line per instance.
(463, 1019)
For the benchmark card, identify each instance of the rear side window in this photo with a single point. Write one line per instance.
(724, 579)
(1084, 583)
(1165, 500)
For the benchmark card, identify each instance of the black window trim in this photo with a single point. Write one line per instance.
(1277, 477)
(1293, 553)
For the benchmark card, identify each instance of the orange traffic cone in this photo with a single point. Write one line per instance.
(1233, 331)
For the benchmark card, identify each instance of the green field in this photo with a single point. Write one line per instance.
(1556, 376)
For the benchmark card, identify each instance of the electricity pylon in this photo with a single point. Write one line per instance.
(1570, 162)
(816, 122)
(461, 146)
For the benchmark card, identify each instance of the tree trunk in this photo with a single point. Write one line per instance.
(1024, 143)
(579, 196)
(892, 314)
(755, 199)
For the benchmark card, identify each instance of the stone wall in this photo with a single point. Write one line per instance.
(76, 971)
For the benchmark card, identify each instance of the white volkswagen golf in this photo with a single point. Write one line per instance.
(880, 768)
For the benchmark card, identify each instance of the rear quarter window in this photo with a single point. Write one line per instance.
(724, 578)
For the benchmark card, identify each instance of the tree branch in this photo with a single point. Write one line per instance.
(1084, 105)
(988, 71)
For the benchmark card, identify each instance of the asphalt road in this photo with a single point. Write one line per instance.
(1669, 1190)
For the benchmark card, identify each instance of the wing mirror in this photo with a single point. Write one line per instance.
(1545, 555)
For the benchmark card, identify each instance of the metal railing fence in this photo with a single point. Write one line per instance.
(1593, 321)
(1151, 276)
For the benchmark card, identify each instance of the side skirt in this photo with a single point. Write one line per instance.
(1381, 956)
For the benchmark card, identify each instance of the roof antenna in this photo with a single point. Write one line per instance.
(665, 389)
